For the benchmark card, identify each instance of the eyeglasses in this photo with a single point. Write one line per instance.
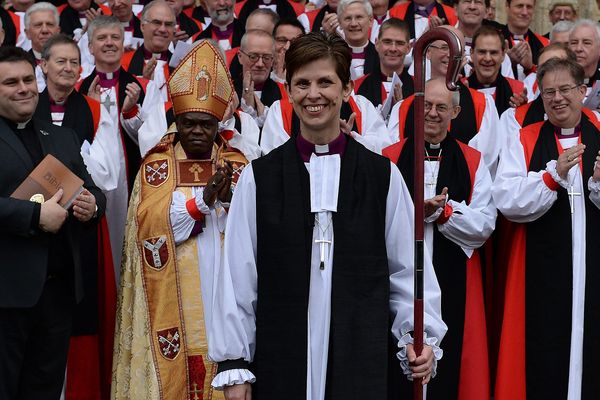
(443, 47)
(158, 23)
(439, 108)
(267, 58)
(564, 91)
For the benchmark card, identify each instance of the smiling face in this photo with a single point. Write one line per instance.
(519, 14)
(355, 22)
(158, 28)
(563, 109)
(197, 132)
(317, 93)
(220, 11)
(392, 47)
(62, 67)
(471, 12)
(487, 57)
(18, 91)
(439, 110)
(106, 46)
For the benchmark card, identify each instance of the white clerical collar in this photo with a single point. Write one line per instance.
(567, 131)
(359, 49)
(157, 56)
(586, 81)
(435, 146)
(518, 37)
(321, 148)
(22, 125)
(324, 172)
(38, 56)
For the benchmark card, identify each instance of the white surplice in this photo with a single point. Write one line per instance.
(105, 161)
(523, 197)
(470, 225)
(210, 250)
(236, 328)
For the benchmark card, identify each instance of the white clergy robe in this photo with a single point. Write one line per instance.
(238, 331)
(523, 197)
(470, 224)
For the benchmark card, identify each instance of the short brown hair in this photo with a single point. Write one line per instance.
(486, 30)
(395, 23)
(16, 54)
(561, 64)
(316, 46)
(56, 40)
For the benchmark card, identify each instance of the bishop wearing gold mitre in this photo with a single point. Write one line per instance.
(173, 244)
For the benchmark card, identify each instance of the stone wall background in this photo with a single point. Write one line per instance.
(541, 24)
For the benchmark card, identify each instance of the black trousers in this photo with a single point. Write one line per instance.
(34, 343)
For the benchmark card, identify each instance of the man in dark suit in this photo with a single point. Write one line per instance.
(40, 276)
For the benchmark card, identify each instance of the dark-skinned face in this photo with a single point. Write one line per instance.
(197, 132)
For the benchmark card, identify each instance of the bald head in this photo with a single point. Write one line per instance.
(441, 107)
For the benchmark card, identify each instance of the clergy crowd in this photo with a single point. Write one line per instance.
(245, 225)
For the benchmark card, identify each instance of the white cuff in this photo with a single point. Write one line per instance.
(204, 209)
(232, 377)
(433, 217)
(551, 169)
(276, 78)
(593, 186)
(226, 125)
(259, 119)
(408, 339)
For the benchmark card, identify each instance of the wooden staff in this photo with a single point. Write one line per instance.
(454, 64)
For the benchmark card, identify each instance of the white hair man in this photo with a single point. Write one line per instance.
(356, 20)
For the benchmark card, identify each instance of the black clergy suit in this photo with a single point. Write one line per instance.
(41, 273)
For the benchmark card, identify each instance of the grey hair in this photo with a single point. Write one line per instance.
(560, 27)
(42, 6)
(255, 32)
(590, 23)
(104, 21)
(343, 4)
(152, 4)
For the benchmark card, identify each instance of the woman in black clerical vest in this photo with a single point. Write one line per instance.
(277, 209)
